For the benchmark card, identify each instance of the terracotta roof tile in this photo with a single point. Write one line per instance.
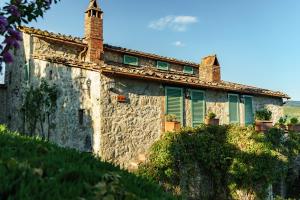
(58, 36)
(149, 55)
(153, 74)
(80, 41)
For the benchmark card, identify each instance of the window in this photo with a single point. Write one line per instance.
(162, 65)
(174, 102)
(131, 60)
(197, 107)
(249, 115)
(80, 116)
(234, 115)
(27, 72)
(188, 70)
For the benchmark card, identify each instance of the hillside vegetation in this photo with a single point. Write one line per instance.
(292, 109)
(34, 169)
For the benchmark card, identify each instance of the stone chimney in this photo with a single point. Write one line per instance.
(210, 69)
(94, 32)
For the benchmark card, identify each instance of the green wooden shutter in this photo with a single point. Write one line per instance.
(249, 117)
(188, 70)
(198, 107)
(174, 102)
(27, 72)
(131, 60)
(234, 116)
(162, 65)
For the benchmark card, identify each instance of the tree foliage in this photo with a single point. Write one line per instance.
(13, 14)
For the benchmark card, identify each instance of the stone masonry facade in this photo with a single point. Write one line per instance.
(91, 78)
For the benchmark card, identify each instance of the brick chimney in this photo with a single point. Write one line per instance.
(210, 69)
(94, 32)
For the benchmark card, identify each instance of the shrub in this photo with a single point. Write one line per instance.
(211, 115)
(294, 121)
(264, 114)
(171, 118)
(233, 161)
(282, 120)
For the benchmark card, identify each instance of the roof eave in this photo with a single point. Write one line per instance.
(181, 83)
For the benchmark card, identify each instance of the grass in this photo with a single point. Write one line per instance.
(34, 169)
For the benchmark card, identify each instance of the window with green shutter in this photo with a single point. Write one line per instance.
(188, 70)
(131, 60)
(27, 72)
(234, 115)
(249, 115)
(162, 65)
(198, 107)
(174, 102)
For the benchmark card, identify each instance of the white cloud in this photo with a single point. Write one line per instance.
(178, 44)
(176, 23)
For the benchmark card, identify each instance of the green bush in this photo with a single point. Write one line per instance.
(294, 121)
(34, 169)
(234, 158)
(263, 114)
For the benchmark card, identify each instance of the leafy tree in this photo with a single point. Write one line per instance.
(14, 14)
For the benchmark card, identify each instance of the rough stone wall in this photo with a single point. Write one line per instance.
(129, 129)
(75, 95)
(210, 73)
(110, 56)
(46, 47)
(217, 102)
(273, 104)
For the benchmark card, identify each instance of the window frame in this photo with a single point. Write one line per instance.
(188, 72)
(181, 102)
(238, 109)
(248, 96)
(161, 68)
(126, 63)
(204, 104)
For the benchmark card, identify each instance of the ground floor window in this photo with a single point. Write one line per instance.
(249, 115)
(234, 111)
(174, 102)
(197, 107)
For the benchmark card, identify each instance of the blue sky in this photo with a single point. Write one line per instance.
(257, 42)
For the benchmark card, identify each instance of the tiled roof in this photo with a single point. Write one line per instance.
(80, 41)
(51, 35)
(149, 55)
(152, 74)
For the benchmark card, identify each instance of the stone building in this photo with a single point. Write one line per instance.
(113, 101)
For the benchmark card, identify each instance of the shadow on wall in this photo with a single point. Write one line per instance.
(70, 125)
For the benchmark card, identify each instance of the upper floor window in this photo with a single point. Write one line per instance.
(162, 65)
(188, 70)
(131, 60)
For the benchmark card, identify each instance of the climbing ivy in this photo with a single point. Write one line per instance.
(39, 104)
(240, 163)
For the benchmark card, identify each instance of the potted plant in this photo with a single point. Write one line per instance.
(210, 119)
(263, 120)
(282, 122)
(171, 123)
(294, 125)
